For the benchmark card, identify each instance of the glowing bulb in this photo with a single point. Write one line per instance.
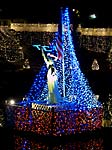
(12, 102)
(92, 16)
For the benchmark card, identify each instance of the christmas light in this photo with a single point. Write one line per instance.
(77, 87)
(79, 109)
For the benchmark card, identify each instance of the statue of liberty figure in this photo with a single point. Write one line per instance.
(52, 79)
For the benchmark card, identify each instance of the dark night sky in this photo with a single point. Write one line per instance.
(48, 10)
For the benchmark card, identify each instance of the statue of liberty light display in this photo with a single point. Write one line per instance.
(65, 82)
(53, 92)
(60, 100)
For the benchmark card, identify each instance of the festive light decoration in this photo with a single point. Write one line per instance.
(71, 81)
(79, 109)
(50, 121)
(107, 114)
(33, 27)
(96, 43)
(110, 56)
(106, 32)
(95, 65)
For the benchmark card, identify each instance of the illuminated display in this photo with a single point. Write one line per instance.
(79, 109)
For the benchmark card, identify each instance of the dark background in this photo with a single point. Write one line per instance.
(48, 10)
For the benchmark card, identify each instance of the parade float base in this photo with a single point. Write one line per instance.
(53, 120)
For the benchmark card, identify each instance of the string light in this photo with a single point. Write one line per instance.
(79, 111)
(76, 85)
